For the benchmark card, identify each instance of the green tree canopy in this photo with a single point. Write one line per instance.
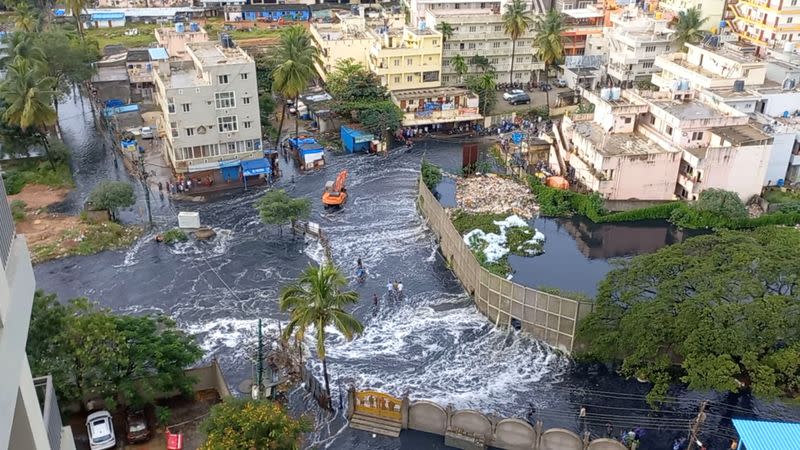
(431, 175)
(688, 29)
(713, 206)
(318, 300)
(351, 81)
(484, 85)
(381, 117)
(112, 195)
(91, 352)
(459, 64)
(276, 207)
(482, 63)
(244, 424)
(715, 312)
(446, 29)
(68, 60)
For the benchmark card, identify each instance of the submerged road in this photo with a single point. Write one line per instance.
(432, 345)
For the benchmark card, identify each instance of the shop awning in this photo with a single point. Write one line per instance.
(108, 16)
(256, 167)
(763, 435)
(230, 163)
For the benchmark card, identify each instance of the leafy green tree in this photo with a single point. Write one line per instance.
(431, 175)
(28, 95)
(548, 30)
(277, 208)
(722, 202)
(516, 22)
(296, 54)
(265, 66)
(112, 195)
(350, 82)
(245, 424)
(688, 29)
(381, 118)
(318, 300)
(459, 64)
(482, 63)
(484, 85)
(91, 352)
(68, 60)
(446, 29)
(715, 312)
(26, 18)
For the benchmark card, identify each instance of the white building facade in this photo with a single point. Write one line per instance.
(634, 41)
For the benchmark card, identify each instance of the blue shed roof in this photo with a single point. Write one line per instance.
(158, 53)
(108, 16)
(255, 167)
(764, 435)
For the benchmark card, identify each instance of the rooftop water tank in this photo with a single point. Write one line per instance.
(788, 47)
(684, 85)
(194, 26)
(180, 27)
(605, 93)
(421, 25)
(616, 93)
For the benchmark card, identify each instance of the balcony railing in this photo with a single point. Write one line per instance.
(7, 230)
(50, 412)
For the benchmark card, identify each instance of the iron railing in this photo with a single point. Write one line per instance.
(7, 230)
(50, 412)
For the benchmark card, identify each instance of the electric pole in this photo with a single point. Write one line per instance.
(260, 361)
(696, 424)
(143, 177)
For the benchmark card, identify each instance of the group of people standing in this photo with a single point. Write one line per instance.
(185, 184)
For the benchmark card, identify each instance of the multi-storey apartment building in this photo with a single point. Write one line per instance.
(633, 42)
(410, 58)
(174, 40)
(653, 146)
(765, 88)
(766, 23)
(479, 32)
(210, 108)
(30, 417)
(347, 38)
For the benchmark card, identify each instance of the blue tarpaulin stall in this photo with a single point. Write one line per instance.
(256, 167)
(230, 169)
(355, 140)
(309, 152)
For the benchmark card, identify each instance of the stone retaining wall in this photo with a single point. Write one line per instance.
(550, 318)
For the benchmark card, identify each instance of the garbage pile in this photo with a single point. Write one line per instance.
(493, 194)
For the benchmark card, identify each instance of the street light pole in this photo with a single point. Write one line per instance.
(260, 363)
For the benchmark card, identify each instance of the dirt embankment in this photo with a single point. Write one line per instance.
(52, 235)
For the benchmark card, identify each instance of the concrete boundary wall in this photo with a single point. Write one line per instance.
(550, 318)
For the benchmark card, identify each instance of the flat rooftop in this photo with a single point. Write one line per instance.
(616, 144)
(183, 78)
(409, 94)
(582, 13)
(109, 74)
(688, 110)
(741, 134)
(732, 51)
(213, 54)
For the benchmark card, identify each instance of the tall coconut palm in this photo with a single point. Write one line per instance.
(446, 29)
(516, 21)
(459, 64)
(26, 18)
(318, 300)
(76, 8)
(484, 85)
(29, 97)
(297, 55)
(548, 41)
(20, 44)
(688, 29)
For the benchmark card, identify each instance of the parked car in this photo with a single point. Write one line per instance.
(520, 99)
(136, 428)
(562, 83)
(148, 133)
(508, 94)
(100, 430)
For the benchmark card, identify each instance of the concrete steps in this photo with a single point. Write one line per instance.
(373, 424)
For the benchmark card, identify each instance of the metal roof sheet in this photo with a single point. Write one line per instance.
(765, 435)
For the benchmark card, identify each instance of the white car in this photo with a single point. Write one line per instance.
(562, 83)
(147, 133)
(512, 93)
(101, 431)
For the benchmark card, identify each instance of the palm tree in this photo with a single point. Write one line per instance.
(548, 42)
(20, 44)
(481, 62)
(29, 97)
(484, 85)
(687, 30)
(516, 22)
(459, 64)
(317, 299)
(297, 55)
(26, 18)
(76, 8)
(446, 29)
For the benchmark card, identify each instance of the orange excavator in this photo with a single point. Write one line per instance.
(335, 193)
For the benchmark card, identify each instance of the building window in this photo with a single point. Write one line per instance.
(243, 75)
(783, 37)
(186, 107)
(650, 49)
(435, 42)
(473, 29)
(494, 60)
(668, 130)
(225, 100)
(223, 79)
(647, 65)
(471, 46)
(667, 48)
(397, 78)
(246, 100)
(247, 124)
(627, 120)
(496, 44)
(397, 62)
(409, 61)
(447, 46)
(410, 78)
(190, 131)
(173, 127)
(227, 123)
(789, 19)
(697, 136)
(171, 105)
(498, 28)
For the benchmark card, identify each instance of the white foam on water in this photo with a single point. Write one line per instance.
(314, 250)
(496, 247)
(216, 246)
(132, 253)
(220, 333)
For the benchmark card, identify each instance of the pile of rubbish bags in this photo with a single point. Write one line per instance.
(493, 194)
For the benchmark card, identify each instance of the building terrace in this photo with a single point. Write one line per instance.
(615, 144)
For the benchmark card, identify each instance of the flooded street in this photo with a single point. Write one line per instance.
(433, 345)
